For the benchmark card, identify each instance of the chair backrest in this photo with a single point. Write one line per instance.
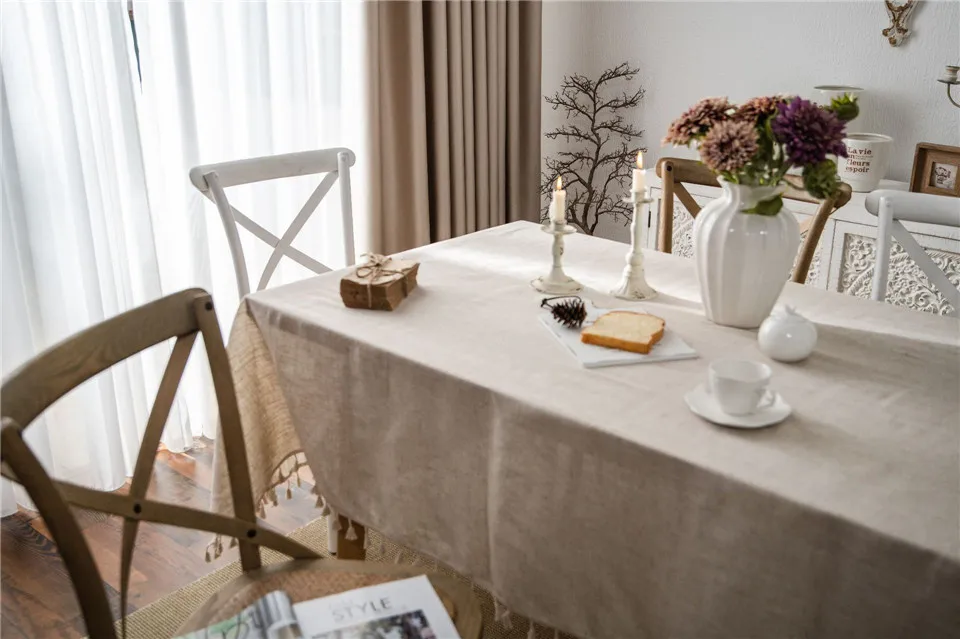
(212, 179)
(674, 172)
(892, 207)
(43, 380)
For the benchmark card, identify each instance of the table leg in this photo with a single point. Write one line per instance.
(350, 548)
(332, 532)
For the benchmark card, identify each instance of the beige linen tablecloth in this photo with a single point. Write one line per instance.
(593, 500)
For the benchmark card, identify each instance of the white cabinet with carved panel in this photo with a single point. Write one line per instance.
(845, 258)
(854, 252)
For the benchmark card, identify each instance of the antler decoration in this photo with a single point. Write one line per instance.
(899, 14)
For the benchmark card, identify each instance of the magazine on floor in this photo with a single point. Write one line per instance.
(405, 609)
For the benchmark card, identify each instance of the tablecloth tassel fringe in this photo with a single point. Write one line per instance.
(501, 614)
(505, 621)
(398, 557)
(532, 633)
(337, 525)
(233, 543)
(286, 472)
(351, 533)
(322, 505)
(214, 549)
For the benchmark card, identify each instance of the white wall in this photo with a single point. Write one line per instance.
(690, 50)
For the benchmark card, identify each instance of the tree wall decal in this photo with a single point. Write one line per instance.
(599, 156)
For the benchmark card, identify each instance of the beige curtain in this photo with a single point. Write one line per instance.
(455, 118)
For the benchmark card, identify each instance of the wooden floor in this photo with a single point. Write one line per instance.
(37, 598)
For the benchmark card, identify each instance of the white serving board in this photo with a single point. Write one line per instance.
(670, 347)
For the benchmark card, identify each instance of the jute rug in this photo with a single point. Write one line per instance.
(163, 617)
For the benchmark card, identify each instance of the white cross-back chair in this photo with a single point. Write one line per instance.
(212, 179)
(894, 207)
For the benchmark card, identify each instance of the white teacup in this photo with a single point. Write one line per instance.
(740, 386)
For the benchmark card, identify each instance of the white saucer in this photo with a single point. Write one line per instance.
(702, 403)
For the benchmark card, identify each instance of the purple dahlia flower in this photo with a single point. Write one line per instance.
(808, 132)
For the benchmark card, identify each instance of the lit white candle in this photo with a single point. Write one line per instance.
(558, 207)
(639, 177)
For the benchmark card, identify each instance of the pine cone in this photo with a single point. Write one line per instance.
(570, 312)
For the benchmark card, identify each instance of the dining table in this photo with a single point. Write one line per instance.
(592, 500)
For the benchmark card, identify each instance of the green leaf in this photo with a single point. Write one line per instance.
(767, 207)
(820, 180)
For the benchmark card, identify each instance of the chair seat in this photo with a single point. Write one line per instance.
(303, 580)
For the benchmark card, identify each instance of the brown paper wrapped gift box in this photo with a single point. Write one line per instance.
(379, 289)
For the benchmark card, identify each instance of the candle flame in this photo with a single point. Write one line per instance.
(559, 186)
(639, 159)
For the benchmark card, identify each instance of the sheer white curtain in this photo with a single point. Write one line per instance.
(98, 212)
(238, 80)
(78, 243)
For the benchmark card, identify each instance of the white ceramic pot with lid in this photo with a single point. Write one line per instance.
(787, 336)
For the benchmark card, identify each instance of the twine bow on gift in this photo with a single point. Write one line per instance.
(375, 268)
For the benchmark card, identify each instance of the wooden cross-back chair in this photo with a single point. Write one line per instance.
(35, 386)
(674, 172)
(212, 179)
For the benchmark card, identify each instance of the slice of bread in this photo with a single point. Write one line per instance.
(626, 330)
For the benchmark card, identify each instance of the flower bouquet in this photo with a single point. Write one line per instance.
(759, 141)
(744, 246)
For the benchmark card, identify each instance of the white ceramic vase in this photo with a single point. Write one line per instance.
(743, 259)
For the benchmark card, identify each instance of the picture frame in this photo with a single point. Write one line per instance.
(936, 170)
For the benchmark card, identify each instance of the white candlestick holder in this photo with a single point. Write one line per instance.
(557, 282)
(633, 284)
